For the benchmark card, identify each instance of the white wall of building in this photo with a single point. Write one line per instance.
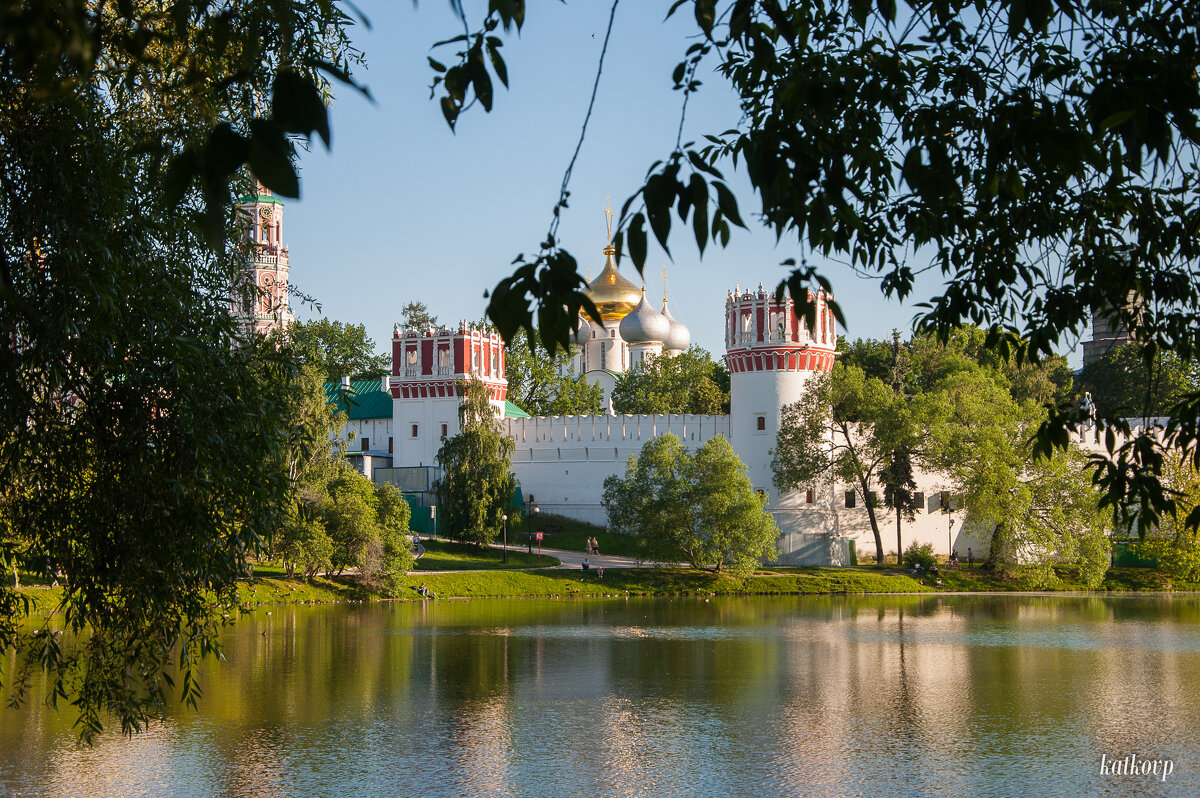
(562, 461)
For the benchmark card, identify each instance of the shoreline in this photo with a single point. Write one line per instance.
(673, 582)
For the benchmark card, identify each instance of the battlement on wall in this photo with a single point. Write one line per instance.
(554, 431)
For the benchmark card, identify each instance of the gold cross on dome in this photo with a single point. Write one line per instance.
(608, 217)
(664, 276)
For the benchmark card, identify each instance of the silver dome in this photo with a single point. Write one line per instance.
(583, 334)
(680, 337)
(644, 324)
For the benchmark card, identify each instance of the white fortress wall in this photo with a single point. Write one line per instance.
(562, 461)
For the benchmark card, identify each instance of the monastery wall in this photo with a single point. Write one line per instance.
(562, 461)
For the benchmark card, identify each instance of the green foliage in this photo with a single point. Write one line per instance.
(1038, 512)
(1044, 181)
(145, 458)
(1132, 381)
(919, 553)
(547, 385)
(702, 508)
(846, 427)
(690, 382)
(336, 349)
(1176, 547)
(477, 485)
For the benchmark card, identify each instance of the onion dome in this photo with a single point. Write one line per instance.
(581, 336)
(613, 295)
(645, 324)
(680, 337)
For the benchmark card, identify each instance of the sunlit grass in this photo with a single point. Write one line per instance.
(442, 555)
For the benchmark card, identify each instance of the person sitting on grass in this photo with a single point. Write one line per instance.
(586, 564)
(599, 573)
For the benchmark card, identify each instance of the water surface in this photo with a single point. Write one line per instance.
(961, 695)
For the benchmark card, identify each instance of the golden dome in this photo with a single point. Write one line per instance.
(613, 294)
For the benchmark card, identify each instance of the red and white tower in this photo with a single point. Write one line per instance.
(427, 367)
(771, 355)
(262, 303)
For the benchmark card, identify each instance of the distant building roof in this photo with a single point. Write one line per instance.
(266, 199)
(366, 400)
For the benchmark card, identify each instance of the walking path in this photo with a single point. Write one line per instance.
(569, 560)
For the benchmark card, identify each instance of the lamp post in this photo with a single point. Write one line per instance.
(504, 520)
(531, 509)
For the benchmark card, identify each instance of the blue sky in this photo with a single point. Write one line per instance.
(404, 209)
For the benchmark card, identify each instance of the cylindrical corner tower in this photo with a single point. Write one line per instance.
(771, 355)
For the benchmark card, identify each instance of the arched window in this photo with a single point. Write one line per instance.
(761, 423)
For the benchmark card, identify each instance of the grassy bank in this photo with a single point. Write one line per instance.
(485, 583)
(442, 555)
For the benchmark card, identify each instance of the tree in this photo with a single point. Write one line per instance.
(144, 459)
(477, 485)
(1130, 382)
(689, 382)
(848, 427)
(337, 349)
(702, 508)
(546, 385)
(1039, 156)
(1176, 547)
(415, 314)
(1039, 512)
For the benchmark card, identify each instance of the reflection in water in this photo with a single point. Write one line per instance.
(787, 696)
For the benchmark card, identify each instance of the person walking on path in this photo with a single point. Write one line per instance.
(970, 558)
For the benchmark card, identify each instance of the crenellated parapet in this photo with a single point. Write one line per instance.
(430, 362)
(545, 431)
(764, 335)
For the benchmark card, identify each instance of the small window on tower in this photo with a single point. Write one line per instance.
(414, 430)
(810, 496)
(389, 445)
(366, 444)
(612, 333)
(850, 500)
(760, 423)
(445, 430)
(919, 500)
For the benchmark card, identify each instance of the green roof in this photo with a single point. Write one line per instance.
(512, 411)
(366, 400)
(261, 198)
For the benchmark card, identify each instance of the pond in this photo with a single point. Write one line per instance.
(897, 695)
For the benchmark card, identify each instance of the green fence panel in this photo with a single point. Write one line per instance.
(422, 520)
(1125, 555)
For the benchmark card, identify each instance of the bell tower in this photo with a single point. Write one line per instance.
(261, 304)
